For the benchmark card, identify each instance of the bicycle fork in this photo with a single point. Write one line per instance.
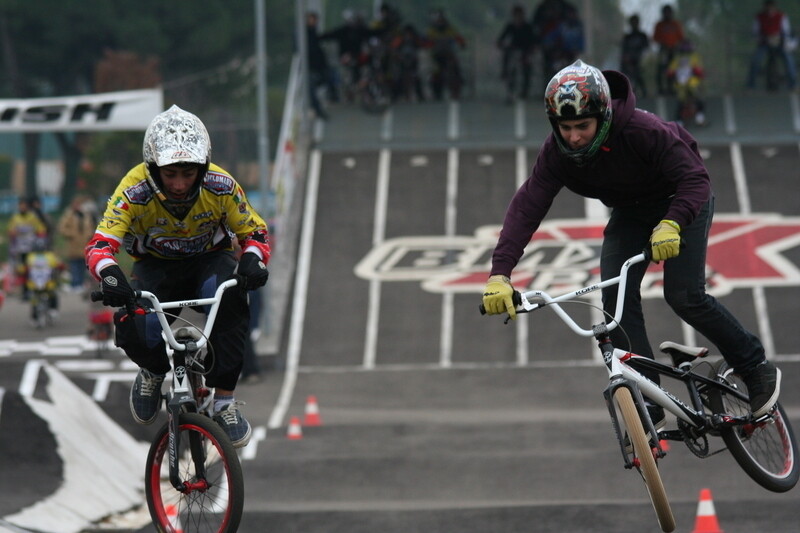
(181, 400)
(617, 381)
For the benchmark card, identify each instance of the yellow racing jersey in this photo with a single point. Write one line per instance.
(136, 219)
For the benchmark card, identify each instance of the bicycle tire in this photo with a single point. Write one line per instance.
(647, 463)
(768, 452)
(216, 508)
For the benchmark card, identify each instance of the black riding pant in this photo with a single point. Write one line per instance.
(188, 279)
(628, 233)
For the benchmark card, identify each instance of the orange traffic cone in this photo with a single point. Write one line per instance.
(312, 417)
(295, 432)
(706, 521)
(174, 519)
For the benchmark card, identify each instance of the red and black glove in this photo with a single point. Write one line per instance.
(254, 271)
(116, 290)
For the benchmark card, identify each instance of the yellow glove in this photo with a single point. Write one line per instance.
(665, 241)
(497, 296)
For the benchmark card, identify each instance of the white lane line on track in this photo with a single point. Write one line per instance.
(729, 112)
(520, 130)
(27, 384)
(446, 339)
(300, 293)
(378, 234)
(794, 102)
(387, 125)
(453, 120)
(523, 322)
(759, 296)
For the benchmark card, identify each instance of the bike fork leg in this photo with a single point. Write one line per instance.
(649, 428)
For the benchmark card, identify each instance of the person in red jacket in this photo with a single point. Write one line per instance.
(771, 27)
(177, 214)
(668, 35)
(650, 173)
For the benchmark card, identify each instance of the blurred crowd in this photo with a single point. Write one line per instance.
(384, 55)
(379, 60)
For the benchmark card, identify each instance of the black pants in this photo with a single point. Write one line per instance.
(185, 279)
(628, 233)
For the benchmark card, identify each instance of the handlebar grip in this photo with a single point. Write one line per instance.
(96, 296)
(516, 299)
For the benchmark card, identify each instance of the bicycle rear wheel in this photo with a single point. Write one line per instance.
(213, 501)
(644, 458)
(766, 451)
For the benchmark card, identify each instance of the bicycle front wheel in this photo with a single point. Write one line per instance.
(213, 497)
(766, 451)
(644, 459)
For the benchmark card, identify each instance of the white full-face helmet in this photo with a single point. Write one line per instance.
(176, 137)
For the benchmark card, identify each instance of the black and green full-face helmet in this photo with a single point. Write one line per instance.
(578, 91)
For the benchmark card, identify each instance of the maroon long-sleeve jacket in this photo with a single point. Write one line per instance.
(644, 159)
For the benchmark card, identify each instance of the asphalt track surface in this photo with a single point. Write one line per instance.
(435, 418)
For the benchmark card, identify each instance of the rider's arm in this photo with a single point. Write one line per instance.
(525, 212)
(111, 228)
(247, 224)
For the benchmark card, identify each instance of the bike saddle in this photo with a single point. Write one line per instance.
(668, 347)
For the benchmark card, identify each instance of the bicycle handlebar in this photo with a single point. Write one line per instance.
(159, 307)
(524, 301)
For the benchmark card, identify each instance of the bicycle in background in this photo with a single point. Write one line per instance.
(764, 447)
(193, 478)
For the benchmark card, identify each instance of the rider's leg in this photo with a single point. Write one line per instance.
(684, 291)
(231, 329)
(625, 235)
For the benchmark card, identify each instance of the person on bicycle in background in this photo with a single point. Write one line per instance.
(668, 34)
(177, 214)
(25, 228)
(773, 32)
(634, 45)
(686, 74)
(351, 40)
(444, 40)
(517, 44)
(651, 175)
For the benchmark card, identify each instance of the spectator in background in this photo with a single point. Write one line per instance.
(25, 228)
(444, 41)
(388, 23)
(404, 65)
(517, 44)
(570, 39)
(668, 35)
(546, 21)
(320, 73)
(634, 45)
(77, 226)
(38, 210)
(350, 38)
(774, 37)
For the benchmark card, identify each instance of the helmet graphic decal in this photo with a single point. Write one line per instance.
(575, 92)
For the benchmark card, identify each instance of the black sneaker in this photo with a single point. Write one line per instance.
(659, 419)
(146, 396)
(763, 386)
(235, 425)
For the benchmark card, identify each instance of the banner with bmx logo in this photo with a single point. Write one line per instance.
(564, 255)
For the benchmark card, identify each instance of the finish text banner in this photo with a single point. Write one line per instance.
(123, 110)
